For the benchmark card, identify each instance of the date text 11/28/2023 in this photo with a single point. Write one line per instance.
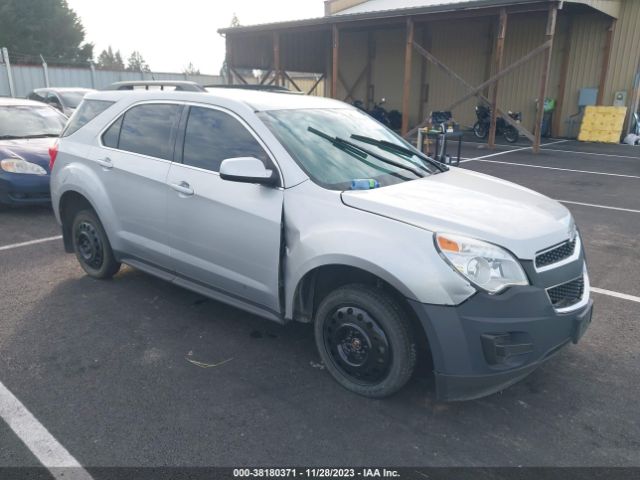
(315, 473)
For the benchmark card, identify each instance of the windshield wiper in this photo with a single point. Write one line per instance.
(42, 135)
(398, 149)
(19, 137)
(361, 152)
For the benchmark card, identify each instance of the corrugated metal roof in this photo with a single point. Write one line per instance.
(610, 7)
(398, 11)
(395, 8)
(383, 5)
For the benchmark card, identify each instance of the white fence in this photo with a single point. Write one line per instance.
(27, 77)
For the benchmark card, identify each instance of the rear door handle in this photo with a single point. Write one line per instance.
(183, 188)
(105, 163)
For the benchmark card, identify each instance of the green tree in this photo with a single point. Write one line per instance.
(136, 63)
(191, 70)
(235, 21)
(109, 60)
(30, 28)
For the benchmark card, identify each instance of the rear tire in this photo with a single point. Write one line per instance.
(480, 130)
(365, 340)
(92, 247)
(511, 135)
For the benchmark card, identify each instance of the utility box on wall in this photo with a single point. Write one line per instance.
(620, 99)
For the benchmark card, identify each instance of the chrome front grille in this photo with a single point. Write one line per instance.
(556, 254)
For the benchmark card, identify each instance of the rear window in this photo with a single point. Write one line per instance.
(88, 110)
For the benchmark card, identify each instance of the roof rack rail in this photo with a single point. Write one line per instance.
(178, 85)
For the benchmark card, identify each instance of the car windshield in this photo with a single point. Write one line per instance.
(72, 99)
(338, 147)
(24, 121)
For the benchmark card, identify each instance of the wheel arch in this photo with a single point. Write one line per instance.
(317, 282)
(71, 202)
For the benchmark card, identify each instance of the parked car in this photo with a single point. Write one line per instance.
(64, 99)
(163, 85)
(26, 131)
(304, 208)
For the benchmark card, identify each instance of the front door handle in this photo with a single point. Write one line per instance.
(105, 163)
(183, 188)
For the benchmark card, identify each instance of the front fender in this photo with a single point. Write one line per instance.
(321, 230)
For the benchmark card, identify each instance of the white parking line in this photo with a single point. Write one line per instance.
(508, 151)
(30, 242)
(590, 153)
(558, 168)
(620, 209)
(623, 296)
(38, 440)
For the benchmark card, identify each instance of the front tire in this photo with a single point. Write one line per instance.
(480, 130)
(364, 339)
(92, 247)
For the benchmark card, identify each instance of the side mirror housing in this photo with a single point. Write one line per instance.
(247, 170)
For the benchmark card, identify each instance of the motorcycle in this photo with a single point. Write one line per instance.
(392, 119)
(481, 127)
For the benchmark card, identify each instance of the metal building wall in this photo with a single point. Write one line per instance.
(625, 52)
(588, 39)
(466, 48)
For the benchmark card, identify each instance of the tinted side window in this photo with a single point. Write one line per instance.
(213, 136)
(149, 130)
(111, 136)
(87, 111)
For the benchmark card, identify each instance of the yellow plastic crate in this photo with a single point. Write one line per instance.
(602, 124)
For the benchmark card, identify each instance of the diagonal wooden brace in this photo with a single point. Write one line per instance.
(526, 133)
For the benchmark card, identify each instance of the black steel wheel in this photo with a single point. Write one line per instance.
(92, 247)
(357, 344)
(365, 340)
(480, 130)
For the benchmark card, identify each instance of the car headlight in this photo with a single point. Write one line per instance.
(18, 165)
(485, 265)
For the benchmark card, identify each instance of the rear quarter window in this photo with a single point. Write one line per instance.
(87, 111)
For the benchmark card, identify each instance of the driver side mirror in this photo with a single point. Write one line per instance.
(247, 170)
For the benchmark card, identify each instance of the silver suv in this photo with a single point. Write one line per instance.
(303, 208)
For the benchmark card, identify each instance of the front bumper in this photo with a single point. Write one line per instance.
(21, 189)
(492, 341)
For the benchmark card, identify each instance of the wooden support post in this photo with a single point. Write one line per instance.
(227, 60)
(335, 51)
(605, 61)
(423, 78)
(544, 77)
(371, 48)
(502, 32)
(276, 58)
(406, 87)
(562, 87)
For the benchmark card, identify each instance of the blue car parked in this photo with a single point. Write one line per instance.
(27, 130)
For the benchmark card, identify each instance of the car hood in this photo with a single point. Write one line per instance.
(35, 150)
(472, 204)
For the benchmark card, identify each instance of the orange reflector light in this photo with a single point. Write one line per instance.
(448, 245)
